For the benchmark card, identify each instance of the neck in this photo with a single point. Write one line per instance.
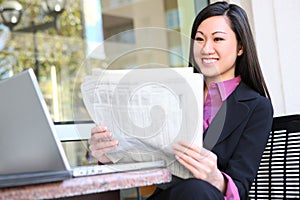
(209, 80)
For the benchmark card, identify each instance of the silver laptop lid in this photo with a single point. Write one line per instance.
(28, 142)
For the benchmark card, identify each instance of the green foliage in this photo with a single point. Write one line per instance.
(63, 48)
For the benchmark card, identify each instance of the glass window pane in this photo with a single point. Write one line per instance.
(62, 52)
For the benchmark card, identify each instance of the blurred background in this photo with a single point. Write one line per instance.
(55, 38)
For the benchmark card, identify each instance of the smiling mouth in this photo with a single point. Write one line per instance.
(209, 60)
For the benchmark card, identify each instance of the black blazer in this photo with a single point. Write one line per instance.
(238, 135)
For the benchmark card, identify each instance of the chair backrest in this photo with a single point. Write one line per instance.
(278, 176)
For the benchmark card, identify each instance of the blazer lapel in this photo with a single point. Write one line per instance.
(225, 122)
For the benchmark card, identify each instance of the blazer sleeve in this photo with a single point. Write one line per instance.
(242, 161)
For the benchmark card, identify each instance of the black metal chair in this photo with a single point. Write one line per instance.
(278, 176)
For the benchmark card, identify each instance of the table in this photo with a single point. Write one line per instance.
(106, 186)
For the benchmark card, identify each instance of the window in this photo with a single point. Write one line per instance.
(62, 57)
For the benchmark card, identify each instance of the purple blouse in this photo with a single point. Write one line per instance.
(216, 95)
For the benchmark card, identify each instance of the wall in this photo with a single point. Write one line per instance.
(276, 30)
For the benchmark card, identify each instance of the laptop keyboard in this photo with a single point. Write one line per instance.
(112, 168)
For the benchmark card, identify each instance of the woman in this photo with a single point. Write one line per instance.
(237, 110)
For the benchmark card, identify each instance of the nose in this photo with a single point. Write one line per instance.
(208, 48)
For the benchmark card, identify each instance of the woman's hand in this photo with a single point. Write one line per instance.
(201, 163)
(101, 143)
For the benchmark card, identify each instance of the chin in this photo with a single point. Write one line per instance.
(209, 74)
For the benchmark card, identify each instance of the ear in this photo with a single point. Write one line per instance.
(240, 49)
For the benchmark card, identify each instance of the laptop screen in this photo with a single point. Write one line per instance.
(28, 142)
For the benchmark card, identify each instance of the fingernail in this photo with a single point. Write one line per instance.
(103, 128)
(108, 134)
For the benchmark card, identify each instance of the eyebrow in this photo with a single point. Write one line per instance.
(223, 32)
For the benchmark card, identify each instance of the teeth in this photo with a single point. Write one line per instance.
(209, 61)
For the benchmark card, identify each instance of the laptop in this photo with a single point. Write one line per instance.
(30, 150)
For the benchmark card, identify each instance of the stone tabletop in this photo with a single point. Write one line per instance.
(88, 185)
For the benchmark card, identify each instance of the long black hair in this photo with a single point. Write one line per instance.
(247, 64)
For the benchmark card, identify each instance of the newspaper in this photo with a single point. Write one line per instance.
(147, 110)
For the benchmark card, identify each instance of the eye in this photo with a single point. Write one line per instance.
(217, 39)
(198, 39)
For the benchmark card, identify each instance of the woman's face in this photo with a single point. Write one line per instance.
(216, 49)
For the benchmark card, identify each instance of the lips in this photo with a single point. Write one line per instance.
(209, 60)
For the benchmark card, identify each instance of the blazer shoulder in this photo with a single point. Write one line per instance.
(244, 93)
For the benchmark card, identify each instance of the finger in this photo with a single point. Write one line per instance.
(98, 129)
(99, 153)
(189, 156)
(103, 145)
(187, 160)
(100, 136)
(192, 147)
(199, 170)
(206, 153)
(210, 157)
(196, 151)
(199, 167)
(180, 149)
